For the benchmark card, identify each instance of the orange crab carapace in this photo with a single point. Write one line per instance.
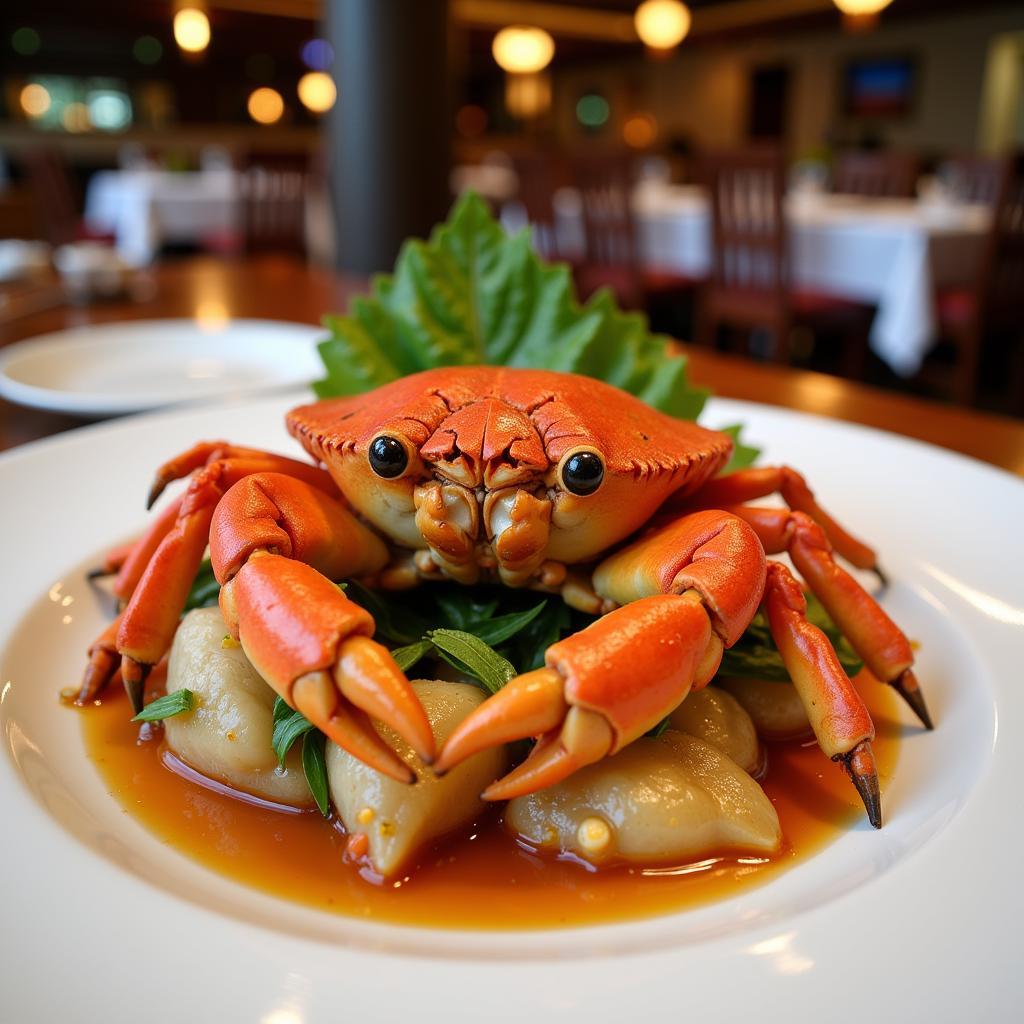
(528, 478)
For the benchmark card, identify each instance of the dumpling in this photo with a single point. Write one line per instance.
(716, 717)
(667, 799)
(774, 707)
(398, 819)
(227, 736)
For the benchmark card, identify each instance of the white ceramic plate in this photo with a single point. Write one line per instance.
(136, 365)
(920, 921)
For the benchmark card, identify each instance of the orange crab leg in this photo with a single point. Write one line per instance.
(103, 663)
(312, 645)
(207, 452)
(841, 722)
(875, 637)
(687, 590)
(602, 688)
(318, 527)
(748, 484)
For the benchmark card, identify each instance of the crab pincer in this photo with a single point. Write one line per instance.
(312, 645)
(602, 688)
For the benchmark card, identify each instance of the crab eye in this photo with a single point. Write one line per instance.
(582, 472)
(388, 457)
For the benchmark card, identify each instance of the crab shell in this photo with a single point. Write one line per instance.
(483, 487)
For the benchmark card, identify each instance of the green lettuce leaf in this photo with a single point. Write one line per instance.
(472, 294)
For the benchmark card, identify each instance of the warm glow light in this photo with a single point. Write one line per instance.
(527, 96)
(523, 50)
(317, 91)
(856, 7)
(211, 315)
(192, 30)
(662, 24)
(35, 100)
(76, 117)
(265, 106)
(640, 130)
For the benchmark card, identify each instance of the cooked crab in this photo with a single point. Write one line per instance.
(532, 479)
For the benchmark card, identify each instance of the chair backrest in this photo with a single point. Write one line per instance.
(748, 229)
(537, 174)
(1001, 276)
(274, 188)
(605, 183)
(876, 174)
(972, 178)
(54, 193)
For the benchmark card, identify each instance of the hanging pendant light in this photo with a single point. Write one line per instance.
(662, 24)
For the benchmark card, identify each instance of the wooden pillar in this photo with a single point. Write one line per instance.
(389, 132)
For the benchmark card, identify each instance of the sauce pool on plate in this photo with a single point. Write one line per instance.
(481, 878)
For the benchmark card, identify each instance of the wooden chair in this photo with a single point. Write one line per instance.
(605, 183)
(539, 177)
(749, 286)
(274, 188)
(992, 306)
(892, 175)
(57, 198)
(972, 178)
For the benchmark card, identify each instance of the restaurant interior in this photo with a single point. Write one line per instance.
(825, 196)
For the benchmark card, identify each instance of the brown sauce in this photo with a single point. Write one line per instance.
(482, 878)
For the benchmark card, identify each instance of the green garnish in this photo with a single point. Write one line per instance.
(168, 706)
(314, 766)
(473, 294)
(471, 655)
(289, 725)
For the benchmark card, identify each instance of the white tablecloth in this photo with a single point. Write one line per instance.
(889, 253)
(143, 209)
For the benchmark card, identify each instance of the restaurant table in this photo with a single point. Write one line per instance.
(888, 253)
(283, 289)
(145, 209)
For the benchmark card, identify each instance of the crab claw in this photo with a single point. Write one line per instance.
(102, 665)
(312, 645)
(587, 703)
(530, 705)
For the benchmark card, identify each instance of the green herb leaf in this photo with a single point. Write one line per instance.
(743, 455)
(472, 294)
(289, 725)
(394, 622)
(314, 765)
(504, 627)
(175, 703)
(659, 728)
(406, 657)
(471, 655)
(550, 626)
(205, 588)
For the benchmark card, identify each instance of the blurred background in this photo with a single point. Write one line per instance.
(827, 184)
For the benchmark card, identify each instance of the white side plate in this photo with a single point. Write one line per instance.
(131, 366)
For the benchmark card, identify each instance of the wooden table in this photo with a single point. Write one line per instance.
(281, 289)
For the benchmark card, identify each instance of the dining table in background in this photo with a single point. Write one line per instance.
(278, 288)
(891, 254)
(145, 209)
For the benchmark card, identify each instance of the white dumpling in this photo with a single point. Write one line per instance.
(774, 707)
(227, 736)
(398, 819)
(716, 717)
(672, 798)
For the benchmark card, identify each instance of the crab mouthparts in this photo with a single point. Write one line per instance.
(467, 530)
